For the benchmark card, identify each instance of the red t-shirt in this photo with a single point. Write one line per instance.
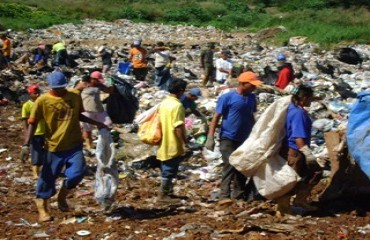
(286, 75)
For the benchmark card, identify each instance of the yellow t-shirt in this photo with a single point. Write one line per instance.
(61, 115)
(172, 115)
(26, 112)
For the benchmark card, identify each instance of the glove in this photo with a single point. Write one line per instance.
(321, 162)
(307, 152)
(210, 143)
(25, 152)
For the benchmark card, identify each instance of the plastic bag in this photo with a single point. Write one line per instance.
(106, 177)
(358, 130)
(122, 104)
(150, 132)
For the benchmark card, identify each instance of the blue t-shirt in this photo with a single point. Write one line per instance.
(187, 103)
(298, 125)
(237, 115)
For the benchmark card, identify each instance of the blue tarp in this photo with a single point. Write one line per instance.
(358, 132)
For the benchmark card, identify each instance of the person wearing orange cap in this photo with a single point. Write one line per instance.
(93, 106)
(38, 140)
(236, 109)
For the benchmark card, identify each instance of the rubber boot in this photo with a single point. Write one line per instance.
(302, 192)
(283, 205)
(62, 199)
(42, 208)
(36, 171)
(165, 191)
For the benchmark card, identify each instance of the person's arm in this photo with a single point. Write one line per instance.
(85, 119)
(202, 54)
(213, 125)
(181, 134)
(106, 89)
(199, 115)
(300, 142)
(25, 127)
(29, 133)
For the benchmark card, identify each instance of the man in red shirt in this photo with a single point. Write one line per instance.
(286, 72)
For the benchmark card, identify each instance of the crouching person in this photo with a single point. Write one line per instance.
(61, 110)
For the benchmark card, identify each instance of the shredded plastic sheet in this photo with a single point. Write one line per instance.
(106, 177)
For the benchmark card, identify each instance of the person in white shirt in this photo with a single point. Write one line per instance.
(223, 66)
(162, 64)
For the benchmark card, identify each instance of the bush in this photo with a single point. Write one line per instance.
(13, 10)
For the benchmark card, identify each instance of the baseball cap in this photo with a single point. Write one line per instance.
(33, 89)
(249, 77)
(281, 57)
(56, 79)
(97, 75)
(195, 92)
(226, 52)
(136, 43)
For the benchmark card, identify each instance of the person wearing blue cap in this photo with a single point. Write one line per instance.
(188, 101)
(61, 111)
(286, 73)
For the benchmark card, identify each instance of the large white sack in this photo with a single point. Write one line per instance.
(106, 177)
(146, 115)
(264, 140)
(275, 178)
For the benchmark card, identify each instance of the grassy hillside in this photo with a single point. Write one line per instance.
(322, 21)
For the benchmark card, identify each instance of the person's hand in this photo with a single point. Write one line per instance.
(307, 152)
(25, 153)
(210, 143)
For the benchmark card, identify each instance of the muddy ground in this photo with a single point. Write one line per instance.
(137, 214)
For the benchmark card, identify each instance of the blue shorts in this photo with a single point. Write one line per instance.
(75, 166)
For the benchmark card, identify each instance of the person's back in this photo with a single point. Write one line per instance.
(61, 115)
(286, 73)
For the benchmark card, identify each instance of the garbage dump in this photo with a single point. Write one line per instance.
(123, 176)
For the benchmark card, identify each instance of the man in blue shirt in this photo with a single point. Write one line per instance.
(236, 109)
(188, 101)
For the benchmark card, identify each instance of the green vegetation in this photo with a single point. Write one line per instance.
(322, 21)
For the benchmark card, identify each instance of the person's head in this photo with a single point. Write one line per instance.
(225, 54)
(34, 91)
(3, 36)
(211, 45)
(96, 78)
(177, 87)
(302, 95)
(57, 82)
(281, 59)
(194, 94)
(248, 82)
(160, 44)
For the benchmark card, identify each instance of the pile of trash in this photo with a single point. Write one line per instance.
(337, 76)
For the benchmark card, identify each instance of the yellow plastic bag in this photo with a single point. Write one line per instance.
(150, 132)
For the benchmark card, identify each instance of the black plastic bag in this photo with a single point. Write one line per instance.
(122, 104)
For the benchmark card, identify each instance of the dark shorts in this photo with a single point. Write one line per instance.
(140, 73)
